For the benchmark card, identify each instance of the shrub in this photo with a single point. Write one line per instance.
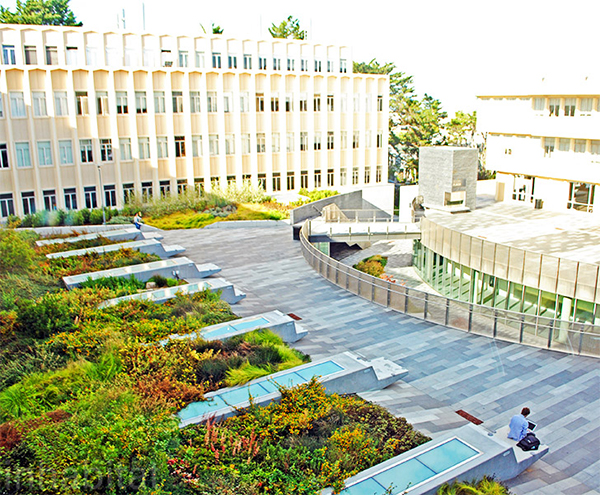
(373, 265)
(85, 213)
(96, 217)
(235, 193)
(119, 219)
(48, 316)
(118, 284)
(16, 255)
(74, 218)
(40, 219)
(485, 486)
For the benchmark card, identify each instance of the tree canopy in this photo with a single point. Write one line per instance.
(46, 12)
(288, 28)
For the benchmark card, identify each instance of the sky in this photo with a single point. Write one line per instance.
(454, 49)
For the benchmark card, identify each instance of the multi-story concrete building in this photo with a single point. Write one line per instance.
(86, 113)
(544, 143)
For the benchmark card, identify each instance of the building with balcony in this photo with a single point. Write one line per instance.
(89, 118)
(543, 140)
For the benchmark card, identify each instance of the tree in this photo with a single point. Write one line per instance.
(288, 28)
(461, 129)
(413, 122)
(214, 29)
(46, 12)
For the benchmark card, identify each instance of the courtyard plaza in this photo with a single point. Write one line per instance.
(448, 370)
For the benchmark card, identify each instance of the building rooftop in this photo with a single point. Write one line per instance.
(572, 235)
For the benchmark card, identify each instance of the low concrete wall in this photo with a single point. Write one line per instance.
(348, 201)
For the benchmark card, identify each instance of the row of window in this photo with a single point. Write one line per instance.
(165, 58)
(82, 104)
(567, 107)
(86, 149)
(49, 196)
(581, 195)
(567, 144)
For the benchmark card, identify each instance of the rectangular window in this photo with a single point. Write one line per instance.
(182, 186)
(303, 102)
(44, 153)
(317, 178)
(125, 148)
(290, 181)
(106, 153)
(355, 175)
(275, 144)
(343, 65)
(549, 146)
(232, 61)
(580, 145)
(70, 198)
(23, 155)
(159, 102)
(50, 199)
(30, 55)
(554, 106)
(166, 59)
(564, 144)
(380, 139)
(162, 146)
(581, 196)
(275, 103)
(276, 181)
(539, 104)
(570, 104)
(200, 60)
(7, 205)
(330, 138)
(317, 66)
(122, 107)
(343, 177)
(177, 102)
(28, 199)
(85, 145)
(247, 62)
(91, 200)
(330, 103)
(39, 104)
(303, 141)
(4, 156)
(262, 63)
(355, 139)
(289, 103)
(304, 179)
(128, 192)
(65, 150)
(195, 101)
(61, 106)
(81, 103)
(183, 58)
(229, 144)
(51, 55)
(164, 187)
(102, 103)
(317, 103)
(260, 143)
(17, 105)
(367, 175)
(72, 55)
(276, 63)
(141, 102)
(330, 66)
(8, 55)
(179, 146)
(196, 145)
(144, 148)
(291, 64)
(379, 103)
(585, 106)
(244, 102)
(246, 144)
(211, 101)
(260, 102)
(595, 147)
(216, 60)
(344, 140)
(213, 144)
(378, 173)
(228, 103)
(110, 196)
(147, 190)
(317, 142)
(290, 142)
(330, 177)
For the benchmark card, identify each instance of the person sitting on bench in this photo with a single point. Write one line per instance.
(519, 425)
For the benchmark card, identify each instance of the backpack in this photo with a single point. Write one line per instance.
(529, 442)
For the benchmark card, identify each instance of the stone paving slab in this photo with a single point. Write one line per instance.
(448, 369)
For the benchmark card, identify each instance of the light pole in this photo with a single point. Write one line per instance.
(101, 195)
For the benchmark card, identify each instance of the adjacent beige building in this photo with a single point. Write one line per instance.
(544, 142)
(91, 117)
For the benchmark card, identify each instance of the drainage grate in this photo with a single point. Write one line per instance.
(468, 417)
(294, 317)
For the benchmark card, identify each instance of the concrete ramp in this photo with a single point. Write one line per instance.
(182, 268)
(342, 373)
(149, 246)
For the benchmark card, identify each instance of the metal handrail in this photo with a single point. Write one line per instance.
(573, 337)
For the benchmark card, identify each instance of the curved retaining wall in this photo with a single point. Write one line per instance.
(547, 333)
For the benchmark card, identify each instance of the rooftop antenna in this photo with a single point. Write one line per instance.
(143, 16)
(123, 18)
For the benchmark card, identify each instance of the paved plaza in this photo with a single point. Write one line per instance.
(449, 370)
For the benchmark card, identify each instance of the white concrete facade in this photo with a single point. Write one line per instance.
(85, 113)
(544, 143)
